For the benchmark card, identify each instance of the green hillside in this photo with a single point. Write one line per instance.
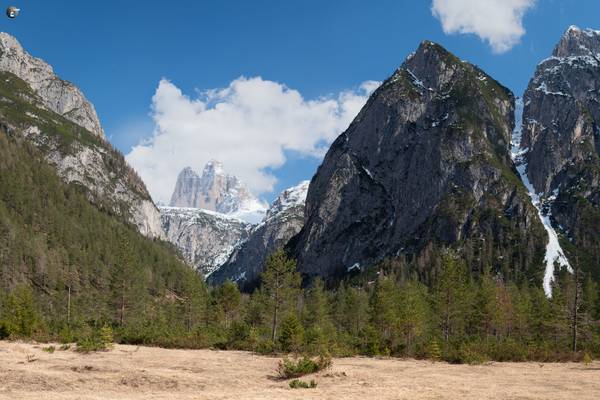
(66, 266)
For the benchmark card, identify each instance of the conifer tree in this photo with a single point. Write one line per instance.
(281, 284)
(450, 296)
(414, 312)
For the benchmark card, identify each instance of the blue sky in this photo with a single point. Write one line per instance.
(117, 52)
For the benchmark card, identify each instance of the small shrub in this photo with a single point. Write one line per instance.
(433, 351)
(587, 359)
(49, 349)
(298, 384)
(106, 337)
(303, 366)
(265, 347)
(291, 334)
(4, 330)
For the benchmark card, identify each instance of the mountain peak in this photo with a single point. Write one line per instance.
(58, 95)
(215, 190)
(578, 42)
(431, 66)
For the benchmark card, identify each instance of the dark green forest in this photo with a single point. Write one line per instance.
(68, 271)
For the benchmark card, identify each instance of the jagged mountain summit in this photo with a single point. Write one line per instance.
(561, 141)
(54, 116)
(215, 190)
(424, 166)
(55, 94)
(284, 220)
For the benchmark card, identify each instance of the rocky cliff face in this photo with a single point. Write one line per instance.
(561, 139)
(215, 190)
(53, 115)
(55, 94)
(425, 165)
(284, 220)
(205, 238)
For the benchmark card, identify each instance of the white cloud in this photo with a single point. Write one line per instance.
(499, 22)
(247, 126)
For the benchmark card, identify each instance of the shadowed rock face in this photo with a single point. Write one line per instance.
(562, 135)
(284, 219)
(425, 163)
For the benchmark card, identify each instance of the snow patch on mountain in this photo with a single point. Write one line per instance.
(554, 252)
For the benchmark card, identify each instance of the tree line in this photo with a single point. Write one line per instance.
(459, 318)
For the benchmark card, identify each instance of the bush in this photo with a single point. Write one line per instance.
(95, 340)
(49, 349)
(106, 337)
(587, 359)
(298, 384)
(433, 351)
(291, 334)
(265, 347)
(303, 366)
(4, 331)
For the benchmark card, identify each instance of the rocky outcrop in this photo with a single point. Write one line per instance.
(206, 239)
(54, 116)
(55, 94)
(284, 220)
(215, 190)
(561, 140)
(425, 165)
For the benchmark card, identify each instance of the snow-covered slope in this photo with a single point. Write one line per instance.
(284, 220)
(554, 252)
(205, 238)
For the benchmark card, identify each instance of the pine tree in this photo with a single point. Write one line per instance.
(281, 284)
(450, 296)
(385, 306)
(229, 298)
(291, 334)
(414, 312)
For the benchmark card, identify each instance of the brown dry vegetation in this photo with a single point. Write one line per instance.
(130, 372)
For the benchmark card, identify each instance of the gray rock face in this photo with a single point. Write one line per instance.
(425, 165)
(57, 95)
(215, 190)
(562, 136)
(284, 220)
(562, 109)
(55, 116)
(205, 238)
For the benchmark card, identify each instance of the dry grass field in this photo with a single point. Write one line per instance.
(130, 372)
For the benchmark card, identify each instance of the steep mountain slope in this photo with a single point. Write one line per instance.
(561, 141)
(60, 246)
(284, 220)
(44, 115)
(216, 191)
(205, 238)
(425, 165)
(57, 95)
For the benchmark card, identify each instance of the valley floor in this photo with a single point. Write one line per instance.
(130, 372)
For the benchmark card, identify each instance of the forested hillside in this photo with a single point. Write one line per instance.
(66, 264)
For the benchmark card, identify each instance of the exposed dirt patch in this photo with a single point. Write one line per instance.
(130, 372)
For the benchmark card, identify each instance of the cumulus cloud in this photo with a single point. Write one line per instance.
(498, 22)
(248, 126)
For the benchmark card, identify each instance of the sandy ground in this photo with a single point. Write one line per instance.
(130, 372)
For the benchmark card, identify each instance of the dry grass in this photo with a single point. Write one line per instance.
(129, 372)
